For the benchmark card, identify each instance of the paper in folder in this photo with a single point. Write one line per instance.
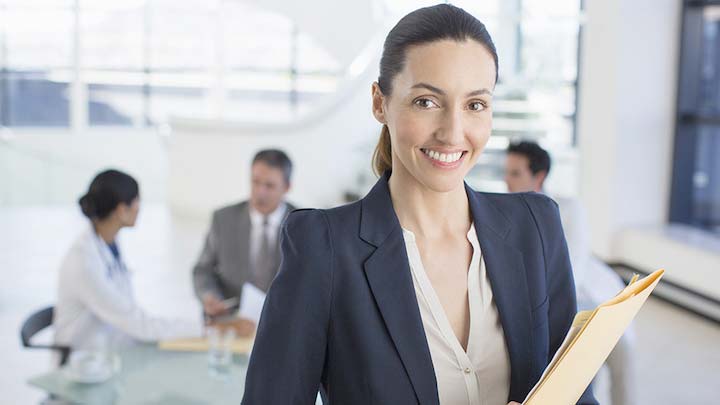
(590, 340)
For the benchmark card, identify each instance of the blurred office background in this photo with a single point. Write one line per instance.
(181, 94)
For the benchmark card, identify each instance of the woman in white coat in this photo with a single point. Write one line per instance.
(95, 305)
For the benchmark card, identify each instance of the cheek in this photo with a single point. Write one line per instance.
(479, 132)
(412, 129)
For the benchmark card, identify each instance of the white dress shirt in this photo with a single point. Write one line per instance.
(275, 219)
(95, 303)
(480, 375)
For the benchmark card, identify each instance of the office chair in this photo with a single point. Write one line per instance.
(34, 324)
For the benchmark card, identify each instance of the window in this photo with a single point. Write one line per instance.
(695, 198)
(138, 62)
(111, 43)
(35, 63)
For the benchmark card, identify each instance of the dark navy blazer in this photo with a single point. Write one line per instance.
(342, 316)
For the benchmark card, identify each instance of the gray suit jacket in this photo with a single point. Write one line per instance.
(224, 264)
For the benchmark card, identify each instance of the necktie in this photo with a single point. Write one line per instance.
(264, 269)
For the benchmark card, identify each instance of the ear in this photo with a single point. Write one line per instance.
(540, 180)
(378, 103)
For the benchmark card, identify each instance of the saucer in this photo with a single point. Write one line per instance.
(98, 374)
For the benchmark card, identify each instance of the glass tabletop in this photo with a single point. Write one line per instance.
(150, 376)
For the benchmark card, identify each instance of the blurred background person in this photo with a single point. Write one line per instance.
(96, 305)
(527, 166)
(242, 245)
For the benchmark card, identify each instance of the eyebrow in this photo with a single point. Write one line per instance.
(439, 91)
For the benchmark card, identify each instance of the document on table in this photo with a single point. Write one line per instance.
(252, 300)
(588, 343)
(251, 304)
(239, 345)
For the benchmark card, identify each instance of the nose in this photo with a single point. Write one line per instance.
(451, 131)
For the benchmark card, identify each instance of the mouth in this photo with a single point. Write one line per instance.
(448, 159)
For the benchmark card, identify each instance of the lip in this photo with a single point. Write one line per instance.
(445, 150)
(445, 165)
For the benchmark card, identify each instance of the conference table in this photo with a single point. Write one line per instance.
(150, 376)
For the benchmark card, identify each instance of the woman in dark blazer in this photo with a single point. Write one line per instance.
(345, 314)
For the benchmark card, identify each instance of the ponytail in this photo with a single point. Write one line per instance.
(382, 157)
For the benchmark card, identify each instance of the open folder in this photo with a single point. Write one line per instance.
(590, 340)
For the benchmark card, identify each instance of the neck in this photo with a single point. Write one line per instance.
(265, 213)
(428, 213)
(107, 230)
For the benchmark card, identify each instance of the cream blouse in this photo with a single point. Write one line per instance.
(480, 375)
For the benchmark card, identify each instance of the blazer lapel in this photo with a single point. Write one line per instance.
(388, 273)
(508, 281)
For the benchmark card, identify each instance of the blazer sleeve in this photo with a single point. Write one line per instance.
(287, 360)
(205, 279)
(560, 283)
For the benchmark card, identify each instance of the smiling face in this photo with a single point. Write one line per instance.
(439, 112)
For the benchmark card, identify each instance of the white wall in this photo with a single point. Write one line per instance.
(50, 166)
(356, 20)
(626, 114)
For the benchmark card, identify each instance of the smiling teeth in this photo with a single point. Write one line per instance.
(443, 157)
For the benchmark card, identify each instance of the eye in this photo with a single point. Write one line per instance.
(477, 106)
(425, 103)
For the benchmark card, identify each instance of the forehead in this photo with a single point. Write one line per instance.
(516, 160)
(261, 168)
(450, 65)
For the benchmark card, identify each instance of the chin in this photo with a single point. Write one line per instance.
(443, 182)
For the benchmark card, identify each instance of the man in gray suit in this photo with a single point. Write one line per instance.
(243, 242)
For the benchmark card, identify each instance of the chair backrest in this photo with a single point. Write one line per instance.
(35, 323)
